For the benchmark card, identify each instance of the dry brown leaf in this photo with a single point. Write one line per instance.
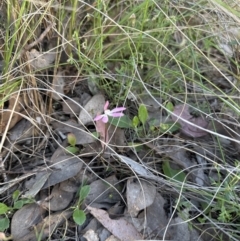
(82, 136)
(61, 169)
(139, 195)
(40, 60)
(120, 228)
(156, 217)
(91, 235)
(180, 231)
(112, 238)
(116, 136)
(58, 86)
(25, 218)
(71, 106)
(21, 131)
(6, 113)
(150, 102)
(181, 111)
(93, 107)
(46, 226)
(58, 200)
(104, 191)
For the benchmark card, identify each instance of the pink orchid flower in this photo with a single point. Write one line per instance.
(116, 112)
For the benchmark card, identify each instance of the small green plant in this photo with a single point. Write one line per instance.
(72, 144)
(5, 210)
(165, 127)
(141, 118)
(139, 122)
(143, 114)
(175, 174)
(79, 215)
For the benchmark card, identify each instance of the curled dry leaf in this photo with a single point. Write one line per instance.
(15, 105)
(40, 60)
(182, 111)
(120, 228)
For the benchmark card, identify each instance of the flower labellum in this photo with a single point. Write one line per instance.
(116, 112)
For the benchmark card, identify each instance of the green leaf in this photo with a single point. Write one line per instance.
(3, 208)
(95, 134)
(72, 149)
(142, 113)
(4, 224)
(15, 195)
(170, 127)
(135, 122)
(154, 122)
(20, 203)
(71, 139)
(122, 122)
(79, 217)
(84, 191)
(170, 106)
(177, 175)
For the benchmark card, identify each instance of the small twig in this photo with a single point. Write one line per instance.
(40, 39)
(37, 41)
(2, 169)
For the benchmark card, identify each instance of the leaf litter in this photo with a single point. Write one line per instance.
(130, 185)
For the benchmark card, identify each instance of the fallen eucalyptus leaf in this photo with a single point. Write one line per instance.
(104, 191)
(25, 218)
(58, 200)
(82, 136)
(93, 107)
(37, 186)
(71, 106)
(181, 115)
(139, 195)
(63, 168)
(120, 228)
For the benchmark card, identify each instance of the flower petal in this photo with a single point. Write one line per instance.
(105, 119)
(117, 114)
(98, 117)
(118, 109)
(106, 105)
